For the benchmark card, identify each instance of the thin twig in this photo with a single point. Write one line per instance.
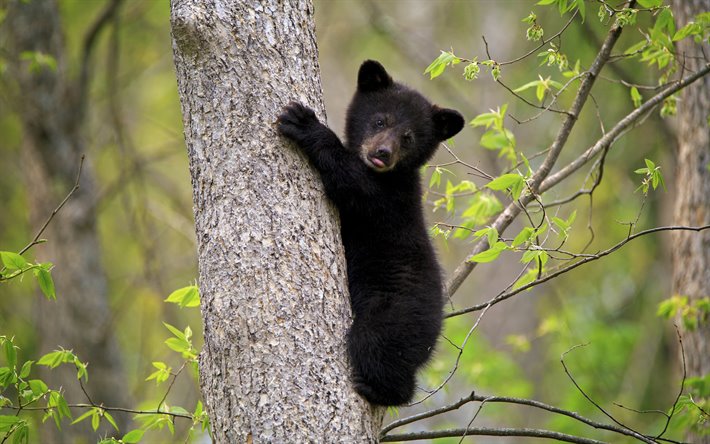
(36, 239)
(636, 434)
(103, 407)
(587, 259)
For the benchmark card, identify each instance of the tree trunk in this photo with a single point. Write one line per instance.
(691, 250)
(48, 102)
(271, 265)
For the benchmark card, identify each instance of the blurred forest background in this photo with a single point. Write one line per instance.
(137, 186)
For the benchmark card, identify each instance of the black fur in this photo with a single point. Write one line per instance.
(393, 275)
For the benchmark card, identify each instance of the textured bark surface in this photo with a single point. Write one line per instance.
(271, 266)
(691, 251)
(51, 110)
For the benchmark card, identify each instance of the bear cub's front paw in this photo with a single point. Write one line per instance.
(297, 122)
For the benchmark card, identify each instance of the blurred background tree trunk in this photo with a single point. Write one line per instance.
(51, 105)
(271, 266)
(691, 250)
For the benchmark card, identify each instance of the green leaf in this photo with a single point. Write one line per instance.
(492, 236)
(437, 67)
(636, 97)
(84, 416)
(539, 255)
(38, 387)
(12, 261)
(95, 421)
(133, 436)
(522, 237)
(582, 9)
(496, 139)
(7, 422)
(55, 358)
(46, 283)
(178, 345)
(435, 178)
(25, 370)
(485, 119)
(22, 434)
(61, 404)
(7, 376)
(162, 374)
(505, 181)
(110, 420)
(175, 331)
(489, 255)
(10, 353)
(528, 85)
(185, 297)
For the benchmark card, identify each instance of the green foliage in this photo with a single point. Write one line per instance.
(565, 6)
(471, 70)
(692, 313)
(30, 393)
(602, 307)
(437, 67)
(635, 96)
(15, 265)
(96, 414)
(564, 225)
(59, 357)
(652, 177)
(535, 31)
(554, 57)
(497, 137)
(34, 392)
(38, 61)
(185, 297)
(542, 86)
(181, 342)
(514, 183)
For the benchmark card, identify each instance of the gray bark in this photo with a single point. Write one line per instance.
(691, 251)
(271, 266)
(51, 106)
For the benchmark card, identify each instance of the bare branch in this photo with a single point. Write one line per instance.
(36, 239)
(587, 259)
(487, 431)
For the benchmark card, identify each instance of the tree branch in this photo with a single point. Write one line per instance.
(541, 182)
(623, 430)
(512, 211)
(36, 239)
(506, 295)
(89, 43)
(487, 431)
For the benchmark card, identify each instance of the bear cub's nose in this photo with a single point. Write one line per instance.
(383, 153)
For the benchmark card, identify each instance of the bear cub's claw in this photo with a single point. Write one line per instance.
(297, 121)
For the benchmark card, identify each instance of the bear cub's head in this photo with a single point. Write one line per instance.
(393, 127)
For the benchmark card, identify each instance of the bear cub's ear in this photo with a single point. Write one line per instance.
(447, 122)
(372, 77)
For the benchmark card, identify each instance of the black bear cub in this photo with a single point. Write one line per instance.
(373, 179)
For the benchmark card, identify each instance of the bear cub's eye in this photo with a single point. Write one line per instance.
(380, 123)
